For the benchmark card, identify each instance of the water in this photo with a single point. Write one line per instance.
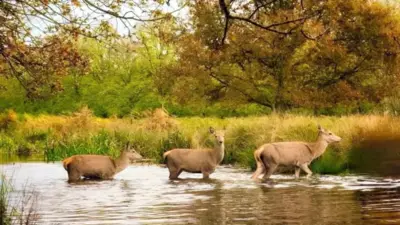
(144, 195)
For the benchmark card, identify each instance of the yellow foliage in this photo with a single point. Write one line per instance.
(8, 119)
(283, 127)
(160, 120)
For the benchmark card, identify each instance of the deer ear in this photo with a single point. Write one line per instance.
(212, 130)
(127, 146)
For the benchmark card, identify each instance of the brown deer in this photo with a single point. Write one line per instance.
(196, 160)
(98, 166)
(299, 154)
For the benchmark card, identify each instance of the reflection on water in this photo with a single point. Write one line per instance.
(144, 195)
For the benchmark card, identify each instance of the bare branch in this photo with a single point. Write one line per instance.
(259, 7)
(316, 37)
(271, 26)
(89, 3)
(345, 74)
(244, 93)
(226, 14)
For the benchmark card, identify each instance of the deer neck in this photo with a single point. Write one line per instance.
(319, 147)
(219, 152)
(121, 162)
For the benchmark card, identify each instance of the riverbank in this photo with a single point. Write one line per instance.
(370, 142)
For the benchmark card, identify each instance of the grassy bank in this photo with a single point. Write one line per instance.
(60, 136)
(4, 190)
(17, 207)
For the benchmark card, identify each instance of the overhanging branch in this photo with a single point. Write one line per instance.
(271, 27)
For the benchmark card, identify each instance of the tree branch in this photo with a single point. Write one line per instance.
(259, 7)
(344, 74)
(14, 71)
(269, 27)
(248, 96)
(225, 10)
(228, 16)
(89, 3)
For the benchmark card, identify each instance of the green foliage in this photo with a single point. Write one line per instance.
(240, 146)
(321, 58)
(102, 143)
(174, 140)
(147, 144)
(330, 162)
(365, 138)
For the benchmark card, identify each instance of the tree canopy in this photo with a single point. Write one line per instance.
(284, 54)
(276, 54)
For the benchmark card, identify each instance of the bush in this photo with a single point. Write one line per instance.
(173, 140)
(81, 133)
(8, 120)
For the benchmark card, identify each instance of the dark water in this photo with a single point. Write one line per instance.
(143, 195)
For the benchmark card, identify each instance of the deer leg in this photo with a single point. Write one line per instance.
(179, 173)
(297, 172)
(73, 175)
(305, 168)
(270, 171)
(173, 174)
(206, 175)
(173, 170)
(260, 170)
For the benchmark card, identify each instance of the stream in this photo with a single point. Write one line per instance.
(142, 194)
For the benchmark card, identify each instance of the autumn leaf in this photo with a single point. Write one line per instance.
(76, 3)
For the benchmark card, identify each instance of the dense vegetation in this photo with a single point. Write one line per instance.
(366, 139)
(78, 84)
(224, 58)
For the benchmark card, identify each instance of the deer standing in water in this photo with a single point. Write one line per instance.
(299, 154)
(98, 166)
(196, 160)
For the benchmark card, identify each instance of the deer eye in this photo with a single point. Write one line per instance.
(330, 133)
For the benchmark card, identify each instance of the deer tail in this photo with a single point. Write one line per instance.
(66, 162)
(259, 157)
(165, 155)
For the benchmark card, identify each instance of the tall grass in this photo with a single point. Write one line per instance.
(61, 136)
(17, 207)
(4, 190)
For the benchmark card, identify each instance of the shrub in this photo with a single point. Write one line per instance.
(8, 120)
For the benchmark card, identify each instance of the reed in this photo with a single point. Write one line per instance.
(60, 136)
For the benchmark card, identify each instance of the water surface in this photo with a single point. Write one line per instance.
(142, 194)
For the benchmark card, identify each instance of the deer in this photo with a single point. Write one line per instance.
(196, 160)
(299, 154)
(99, 167)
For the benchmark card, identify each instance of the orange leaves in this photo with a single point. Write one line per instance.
(76, 3)
(66, 9)
(42, 66)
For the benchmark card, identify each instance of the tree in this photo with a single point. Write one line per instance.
(38, 37)
(283, 54)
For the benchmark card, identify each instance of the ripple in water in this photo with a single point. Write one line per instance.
(144, 195)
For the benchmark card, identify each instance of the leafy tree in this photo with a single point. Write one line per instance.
(284, 54)
(38, 37)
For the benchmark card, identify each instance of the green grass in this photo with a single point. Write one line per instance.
(57, 137)
(4, 190)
